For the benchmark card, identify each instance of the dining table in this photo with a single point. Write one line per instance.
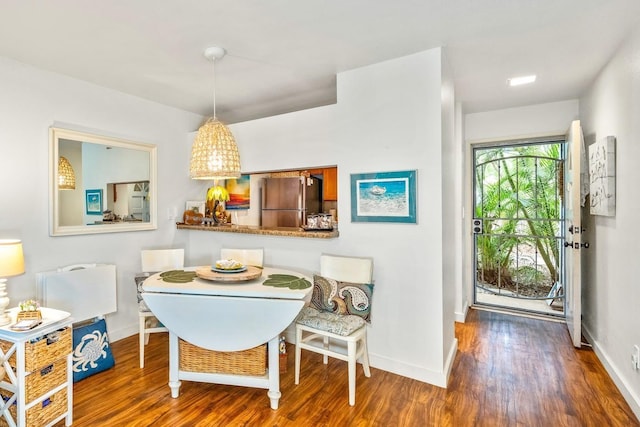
(227, 311)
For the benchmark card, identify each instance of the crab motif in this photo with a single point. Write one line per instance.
(89, 350)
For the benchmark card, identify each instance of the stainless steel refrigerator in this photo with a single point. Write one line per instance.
(286, 202)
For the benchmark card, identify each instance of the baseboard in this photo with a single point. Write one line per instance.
(632, 398)
(409, 370)
(450, 358)
(461, 317)
(118, 334)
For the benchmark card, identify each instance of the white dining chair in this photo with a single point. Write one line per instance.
(252, 257)
(153, 261)
(316, 329)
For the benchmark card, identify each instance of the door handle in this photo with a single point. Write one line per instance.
(576, 245)
(576, 230)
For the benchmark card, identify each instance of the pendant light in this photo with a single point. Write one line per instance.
(66, 176)
(214, 154)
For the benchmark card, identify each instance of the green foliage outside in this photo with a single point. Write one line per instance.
(519, 196)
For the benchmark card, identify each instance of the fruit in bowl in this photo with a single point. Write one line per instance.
(228, 264)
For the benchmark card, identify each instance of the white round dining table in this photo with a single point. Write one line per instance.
(227, 316)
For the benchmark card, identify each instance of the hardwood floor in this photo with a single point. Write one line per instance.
(509, 371)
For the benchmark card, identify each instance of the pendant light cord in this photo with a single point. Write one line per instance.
(214, 88)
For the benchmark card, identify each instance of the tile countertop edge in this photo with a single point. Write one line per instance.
(248, 229)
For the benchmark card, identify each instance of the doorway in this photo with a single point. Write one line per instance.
(518, 226)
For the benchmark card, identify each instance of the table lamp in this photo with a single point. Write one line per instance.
(11, 264)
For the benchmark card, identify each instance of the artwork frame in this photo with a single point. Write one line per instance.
(602, 177)
(239, 193)
(384, 197)
(93, 201)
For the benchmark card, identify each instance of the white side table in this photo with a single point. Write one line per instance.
(38, 377)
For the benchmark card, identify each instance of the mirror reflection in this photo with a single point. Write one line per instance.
(100, 184)
(128, 201)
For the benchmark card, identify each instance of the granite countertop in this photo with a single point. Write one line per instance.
(270, 231)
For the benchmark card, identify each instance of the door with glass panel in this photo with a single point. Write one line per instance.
(518, 226)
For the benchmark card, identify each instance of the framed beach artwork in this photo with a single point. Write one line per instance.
(239, 193)
(602, 177)
(93, 202)
(384, 197)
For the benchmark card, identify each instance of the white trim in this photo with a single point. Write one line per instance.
(451, 357)
(516, 139)
(461, 317)
(409, 370)
(122, 333)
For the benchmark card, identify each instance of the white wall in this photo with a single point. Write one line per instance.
(463, 274)
(33, 100)
(542, 119)
(451, 254)
(611, 292)
(388, 118)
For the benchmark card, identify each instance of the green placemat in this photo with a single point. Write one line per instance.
(287, 281)
(178, 276)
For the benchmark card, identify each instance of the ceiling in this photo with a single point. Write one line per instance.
(283, 55)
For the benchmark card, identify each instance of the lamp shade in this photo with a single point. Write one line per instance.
(66, 176)
(214, 154)
(218, 193)
(11, 258)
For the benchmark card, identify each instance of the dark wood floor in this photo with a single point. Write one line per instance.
(509, 371)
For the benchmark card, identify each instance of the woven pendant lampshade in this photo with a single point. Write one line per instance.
(214, 154)
(66, 176)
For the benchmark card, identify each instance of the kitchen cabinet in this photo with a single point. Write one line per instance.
(37, 386)
(329, 182)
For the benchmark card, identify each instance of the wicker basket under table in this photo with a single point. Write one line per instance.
(247, 362)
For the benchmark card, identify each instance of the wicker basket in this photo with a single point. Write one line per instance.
(41, 381)
(43, 352)
(43, 413)
(29, 315)
(246, 362)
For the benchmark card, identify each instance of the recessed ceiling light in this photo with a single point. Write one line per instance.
(517, 81)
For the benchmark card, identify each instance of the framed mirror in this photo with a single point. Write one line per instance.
(100, 184)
